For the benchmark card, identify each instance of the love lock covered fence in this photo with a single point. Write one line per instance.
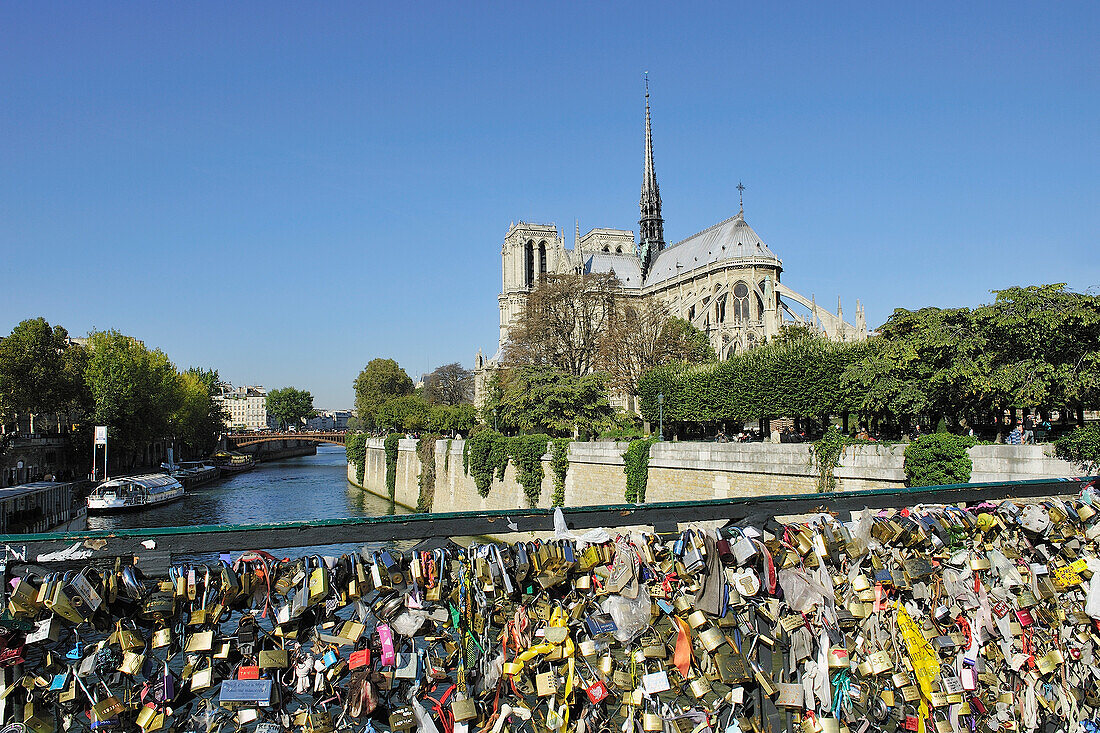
(953, 609)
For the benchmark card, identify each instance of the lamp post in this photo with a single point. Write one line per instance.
(661, 415)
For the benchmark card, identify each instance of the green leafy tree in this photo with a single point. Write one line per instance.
(380, 380)
(289, 406)
(931, 361)
(136, 392)
(1044, 347)
(199, 420)
(452, 418)
(41, 372)
(407, 413)
(549, 400)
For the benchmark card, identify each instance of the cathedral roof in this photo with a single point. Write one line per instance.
(627, 267)
(731, 239)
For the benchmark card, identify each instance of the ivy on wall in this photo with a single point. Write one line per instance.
(826, 454)
(447, 456)
(486, 454)
(527, 451)
(355, 446)
(391, 444)
(559, 462)
(636, 467)
(425, 451)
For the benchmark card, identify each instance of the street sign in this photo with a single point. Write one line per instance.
(100, 435)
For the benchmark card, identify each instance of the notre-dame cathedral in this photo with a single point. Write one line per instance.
(724, 280)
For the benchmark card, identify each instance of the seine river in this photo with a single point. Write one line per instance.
(310, 487)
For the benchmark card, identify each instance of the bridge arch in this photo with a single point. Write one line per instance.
(241, 440)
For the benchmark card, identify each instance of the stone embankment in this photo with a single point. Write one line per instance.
(685, 471)
(278, 449)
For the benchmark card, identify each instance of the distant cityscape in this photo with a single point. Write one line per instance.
(246, 409)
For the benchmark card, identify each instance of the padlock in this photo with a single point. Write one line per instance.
(911, 720)
(790, 695)
(544, 684)
(463, 708)
(942, 724)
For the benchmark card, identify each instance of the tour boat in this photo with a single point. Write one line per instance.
(134, 492)
(192, 473)
(234, 462)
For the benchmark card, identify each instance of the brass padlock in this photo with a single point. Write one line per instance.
(544, 684)
(463, 708)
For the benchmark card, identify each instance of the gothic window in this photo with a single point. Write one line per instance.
(542, 258)
(607, 249)
(529, 264)
(720, 309)
(691, 313)
(619, 250)
(740, 302)
(759, 307)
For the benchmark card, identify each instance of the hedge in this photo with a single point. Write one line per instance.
(938, 459)
(798, 378)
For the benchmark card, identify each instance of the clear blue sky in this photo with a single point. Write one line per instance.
(284, 191)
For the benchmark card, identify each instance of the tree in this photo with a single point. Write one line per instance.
(135, 391)
(199, 420)
(380, 380)
(405, 413)
(562, 323)
(1044, 347)
(640, 336)
(290, 406)
(931, 361)
(450, 384)
(791, 332)
(41, 371)
(548, 400)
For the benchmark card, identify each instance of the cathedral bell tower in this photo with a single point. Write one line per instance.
(651, 227)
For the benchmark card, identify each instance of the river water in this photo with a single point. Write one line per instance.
(305, 488)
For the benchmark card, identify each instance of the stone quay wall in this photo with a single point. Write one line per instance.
(685, 471)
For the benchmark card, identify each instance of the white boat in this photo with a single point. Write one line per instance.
(134, 492)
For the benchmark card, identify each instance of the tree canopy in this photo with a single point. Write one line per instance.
(548, 400)
(135, 391)
(380, 380)
(199, 419)
(449, 384)
(562, 323)
(1032, 347)
(41, 371)
(289, 405)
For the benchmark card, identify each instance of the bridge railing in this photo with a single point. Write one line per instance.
(165, 543)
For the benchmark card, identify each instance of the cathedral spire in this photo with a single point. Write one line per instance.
(651, 227)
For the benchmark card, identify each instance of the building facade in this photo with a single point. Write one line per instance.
(329, 420)
(245, 408)
(724, 279)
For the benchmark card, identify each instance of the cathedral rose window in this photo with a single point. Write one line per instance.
(741, 302)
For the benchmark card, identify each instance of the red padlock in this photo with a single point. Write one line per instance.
(597, 692)
(248, 672)
(359, 659)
